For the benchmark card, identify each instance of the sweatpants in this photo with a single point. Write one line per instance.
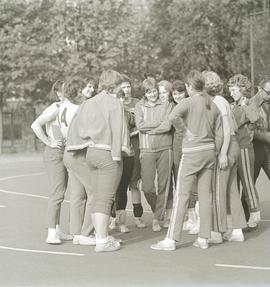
(81, 192)
(57, 173)
(194, 167)
(160, 162)
(121, 193)
(105, 176)
(246, 176)
(262, 158)
(226, 197)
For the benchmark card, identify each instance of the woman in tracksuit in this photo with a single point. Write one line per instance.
(202, 141)
(100, 127)
(156, 149)
(246, 114)
(225, 193)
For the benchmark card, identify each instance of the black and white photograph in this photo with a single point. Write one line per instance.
(134, 143)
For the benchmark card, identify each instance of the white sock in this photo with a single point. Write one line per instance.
(200, 239)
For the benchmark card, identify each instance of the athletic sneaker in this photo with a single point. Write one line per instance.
(188, 225)
(111, 238)
(215, 238)
(112, 224)
(84, 240)
(156, 226)
(166, 223)
(123, 229)
(165, 245)
(109, 246)
(62, 235)
(139, 222)
(201, 243)
(53, 239)
(236, 235)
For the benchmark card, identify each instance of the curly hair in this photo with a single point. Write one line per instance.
(58, 86)
(149, 84)
(168, 87)
(242, 82)
(213, 83)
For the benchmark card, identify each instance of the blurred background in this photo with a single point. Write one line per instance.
(44, 40)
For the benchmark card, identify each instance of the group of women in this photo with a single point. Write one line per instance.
(182, 144)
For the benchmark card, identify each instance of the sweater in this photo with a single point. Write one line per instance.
(100, 122)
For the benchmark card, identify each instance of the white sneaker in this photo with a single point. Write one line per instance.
(201, 243)
(215, 238)
(195, 229)
(139, 222)
(109, 246)
(112, 225)
(156, 226)
(188, 225)
(254, 219)
(166, 223)
(236, 235)
(53, 237)
(111, 238)
(62, 235)
(123, 229)
(86, 240)
(165, 245)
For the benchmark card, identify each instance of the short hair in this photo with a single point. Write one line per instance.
(166, 84)
(109, 79)
(266, 79)
(195, 80)
(73, 88)
(213, 83)
(126, 79)
(242, 82)
(91, 81)
(56, 87)
(149, 84)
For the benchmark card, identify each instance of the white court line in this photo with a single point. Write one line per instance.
(131, 239)
(2, 206)
(26, 194)
(21, 175)
(242, 267)
(41, 251)
(265, 220)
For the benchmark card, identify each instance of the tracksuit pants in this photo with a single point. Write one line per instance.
(194, 167)
(246, 175)
(226, 197)
(57, 173)
(262, 158)
(81, 192)
(160, 162)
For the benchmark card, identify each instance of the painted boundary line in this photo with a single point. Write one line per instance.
(2, 206)
(243, 267)
(41, 251)
(21, 175)
(27, 194)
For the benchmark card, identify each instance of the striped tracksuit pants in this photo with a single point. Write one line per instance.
(246, 176)
(226, 198)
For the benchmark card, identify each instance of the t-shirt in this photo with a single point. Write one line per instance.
(225, 110)
(52, 127)
(65, 115)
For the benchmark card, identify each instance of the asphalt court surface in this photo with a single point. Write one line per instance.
(26, 260)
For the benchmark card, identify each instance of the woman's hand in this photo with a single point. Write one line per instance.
(60, 144)
(223, 161)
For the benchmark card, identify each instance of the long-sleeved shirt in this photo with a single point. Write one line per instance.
(100, 122)
(245, 117)
(262, 126)
(154, 130)
(203, 127)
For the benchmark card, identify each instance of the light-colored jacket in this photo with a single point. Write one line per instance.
(100, 122)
